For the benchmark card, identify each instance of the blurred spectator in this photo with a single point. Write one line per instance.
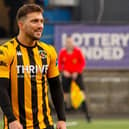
(71, 65)
(13, 6)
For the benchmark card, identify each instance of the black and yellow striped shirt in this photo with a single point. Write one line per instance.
(28, 68)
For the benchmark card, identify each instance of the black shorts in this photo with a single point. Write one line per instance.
(50, 127)
(66, 82)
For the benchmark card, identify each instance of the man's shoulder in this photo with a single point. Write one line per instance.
(62, 50)
(7, 50)
(7, 43)
(77, 49)
(45, 45)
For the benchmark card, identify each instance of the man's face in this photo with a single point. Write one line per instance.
(69, 43)
(33, 25)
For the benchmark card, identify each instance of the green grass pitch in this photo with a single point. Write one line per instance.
(99, 124)
(95, 124)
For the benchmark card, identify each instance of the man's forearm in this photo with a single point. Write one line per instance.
(57, 97)
(5, 100)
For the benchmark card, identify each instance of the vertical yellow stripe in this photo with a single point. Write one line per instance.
(47, 103)
(27, 90)
(5, 123)
(39, 89)
(14, 89)
(47, 99)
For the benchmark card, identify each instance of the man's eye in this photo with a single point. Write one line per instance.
(34, 20)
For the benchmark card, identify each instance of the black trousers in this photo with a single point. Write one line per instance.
(66, 82)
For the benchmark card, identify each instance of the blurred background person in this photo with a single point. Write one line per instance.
(71, 65)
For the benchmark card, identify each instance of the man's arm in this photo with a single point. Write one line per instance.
(57, 97)
(5, 100)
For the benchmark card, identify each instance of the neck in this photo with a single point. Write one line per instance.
(70, 50)
(26, 40)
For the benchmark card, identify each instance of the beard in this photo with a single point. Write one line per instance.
(33, 36)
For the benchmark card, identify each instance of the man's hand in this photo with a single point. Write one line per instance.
(15, 125)
(61, 125)
(67, 74)
(74, 75)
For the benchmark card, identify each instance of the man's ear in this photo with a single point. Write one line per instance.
(20, 24)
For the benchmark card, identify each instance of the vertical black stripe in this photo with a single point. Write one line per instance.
(20, 83)
(8, 125)
(34, 98)
(50, 127)
(44, 62)
(9, 82)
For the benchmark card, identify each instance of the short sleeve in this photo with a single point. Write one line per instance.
(53, 66)
(4, 62)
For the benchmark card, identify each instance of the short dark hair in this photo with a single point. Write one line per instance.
(26, 9)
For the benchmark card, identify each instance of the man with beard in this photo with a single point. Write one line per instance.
(26, 67)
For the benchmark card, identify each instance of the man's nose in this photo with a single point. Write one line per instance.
(40, 25)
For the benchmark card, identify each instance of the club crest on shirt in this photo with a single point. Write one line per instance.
(42, 54)
(74, 61)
